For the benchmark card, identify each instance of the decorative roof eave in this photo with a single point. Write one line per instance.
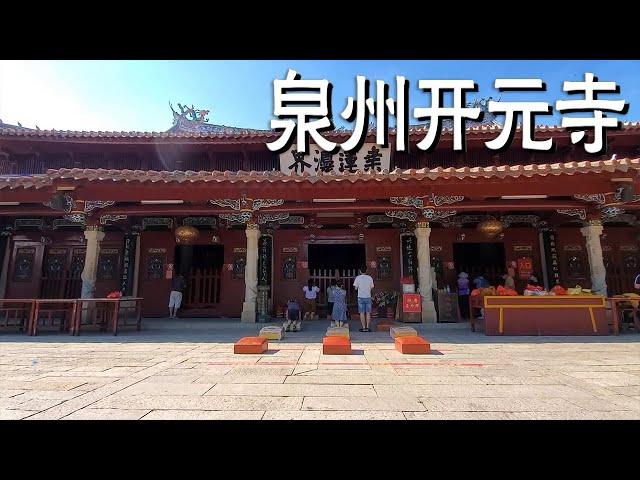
(239, 135)
(151, 176)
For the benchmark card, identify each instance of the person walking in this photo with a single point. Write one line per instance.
(339, 312)
(363, 283)
(178, 284)
(310, 295)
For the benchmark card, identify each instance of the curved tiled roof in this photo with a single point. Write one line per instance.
(151, 176)
(235, 134)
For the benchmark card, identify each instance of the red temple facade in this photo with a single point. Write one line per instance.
(86, 213)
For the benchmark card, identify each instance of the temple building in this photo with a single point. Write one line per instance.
(84, 213)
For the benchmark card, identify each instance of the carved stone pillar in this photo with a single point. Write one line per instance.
(592, 232)
(423, 231)
(94, 235)
(251, 274)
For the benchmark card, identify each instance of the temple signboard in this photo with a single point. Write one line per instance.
(370, 158)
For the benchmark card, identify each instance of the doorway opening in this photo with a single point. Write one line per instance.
(487, 259)
(335, 261)
(201, 266)
(336, 256)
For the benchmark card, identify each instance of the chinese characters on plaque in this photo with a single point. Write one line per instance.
(370, 158)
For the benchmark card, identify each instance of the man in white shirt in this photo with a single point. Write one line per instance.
(363, 283)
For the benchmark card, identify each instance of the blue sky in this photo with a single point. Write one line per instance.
(135, 95)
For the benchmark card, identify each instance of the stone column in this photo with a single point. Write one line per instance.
(251, 274)
(423, 231)
(94, 235)
(592, 232)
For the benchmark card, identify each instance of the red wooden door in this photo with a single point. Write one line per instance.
(25, 270)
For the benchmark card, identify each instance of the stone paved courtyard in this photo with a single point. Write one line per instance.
(186, 369)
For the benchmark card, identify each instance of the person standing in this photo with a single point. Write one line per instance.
(339, 311)
(331, 298)
(310, 294)
(481, 282)
(463, 294)
(363, 283)
(178, 284)
(509, 281)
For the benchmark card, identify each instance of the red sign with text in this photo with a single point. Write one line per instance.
(411, 303)
(525, 268)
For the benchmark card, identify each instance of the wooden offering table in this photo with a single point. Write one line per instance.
(16, 312)
(58, 313)
(108, 313)
(545, 315)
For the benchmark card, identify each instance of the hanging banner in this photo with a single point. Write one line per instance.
(549, 243)
(128, 264)
(370, 158)
(264, 260)
(410, 257)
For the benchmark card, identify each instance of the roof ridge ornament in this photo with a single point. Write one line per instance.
(190, 114)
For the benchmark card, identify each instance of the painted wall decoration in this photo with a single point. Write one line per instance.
(384, 267)
(156, 258)
(108, 264)
(575, 266)
(77, 262)
(289, 267)
(239, 263)
(55, 263)
(23, 270)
